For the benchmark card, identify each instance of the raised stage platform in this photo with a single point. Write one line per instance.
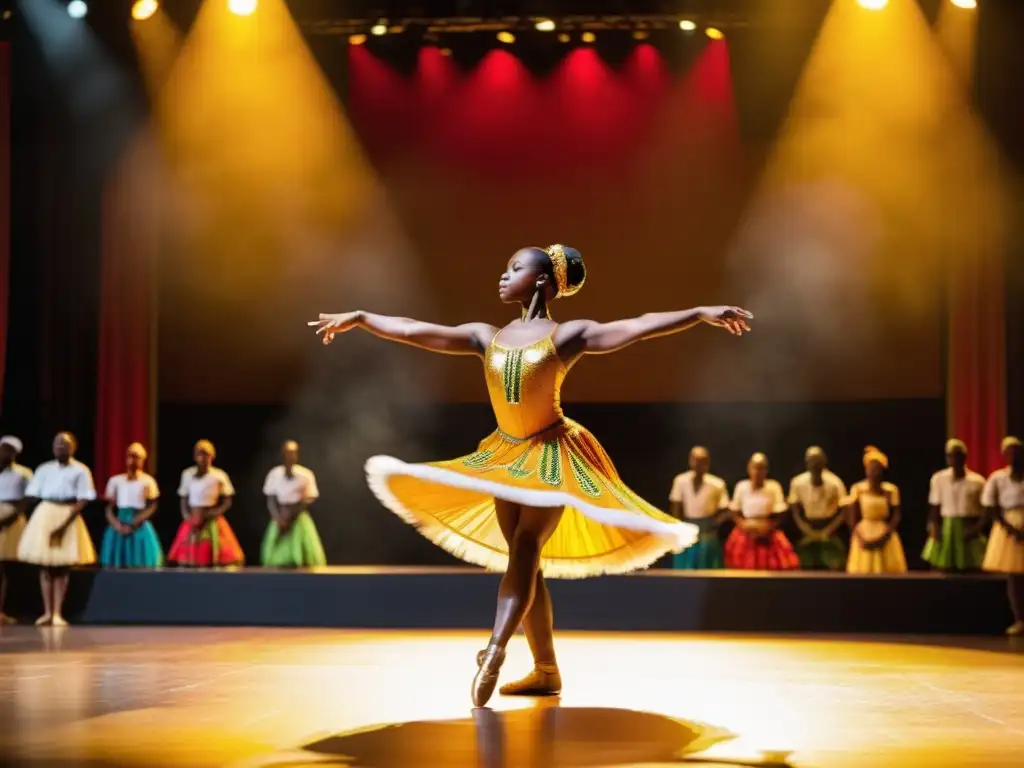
(463, 598)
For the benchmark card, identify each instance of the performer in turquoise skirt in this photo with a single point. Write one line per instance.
(291, 540)
(130, 540)
(956, 520)
(700, 498)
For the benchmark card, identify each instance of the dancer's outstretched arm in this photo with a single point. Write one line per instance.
(466, 339)
(591, 337)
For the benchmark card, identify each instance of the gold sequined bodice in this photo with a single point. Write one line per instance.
(524, 384)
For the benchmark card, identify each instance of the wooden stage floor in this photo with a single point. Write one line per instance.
(141, 697)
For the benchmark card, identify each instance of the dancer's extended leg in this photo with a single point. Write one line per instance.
(518, 587)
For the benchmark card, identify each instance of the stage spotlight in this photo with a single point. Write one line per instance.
(446, 51)
(873, 5)
(77, 9)
(356, 39)
(506, 37)
(143, 9)
(545, 25)
(641, 34)
(588, 37)
(714, 33)
(968, 4)
(242, 7)
(6, 14)
(687, 26)
(564, 37)
(380, 28)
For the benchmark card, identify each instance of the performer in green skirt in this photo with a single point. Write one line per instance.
(956, 522)
(815, 497)
(291, 540)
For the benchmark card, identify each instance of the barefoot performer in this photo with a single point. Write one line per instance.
(539, 497)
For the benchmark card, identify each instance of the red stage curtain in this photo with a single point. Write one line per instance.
(5, 202)
(126, 397)
(976, 357)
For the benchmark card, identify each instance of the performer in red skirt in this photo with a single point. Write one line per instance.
(756, 543)
(206, 493)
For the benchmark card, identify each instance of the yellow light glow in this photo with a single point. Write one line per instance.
(144, 9)
(968, 4)
(242, 7)
(446, 51)
(545, 25)
(588, 37)
(714, 33)
(379, 29)
(640, 34)
(564, 37)
(873, 5)
(687, 26)
(356, 39)
(506, 37)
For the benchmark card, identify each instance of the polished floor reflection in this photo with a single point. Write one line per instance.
(258, 697)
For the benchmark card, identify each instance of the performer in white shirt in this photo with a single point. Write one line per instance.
(55, 537)
(756, 543)
(956, 519)
(815, 498)
(700, 498)
(130, 540)
(14, 479)
(291, 540)
(206, 493)
(1004, 498)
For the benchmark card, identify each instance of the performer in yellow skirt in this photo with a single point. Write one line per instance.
(539, 496)
(1003, 497)
(14, 480)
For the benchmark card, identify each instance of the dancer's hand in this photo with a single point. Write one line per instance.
(57, 536)
(328, 325)
(733, 319)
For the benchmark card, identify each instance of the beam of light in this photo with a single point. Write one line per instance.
(957, 33)
(77, 9)
(687, 26)
(965, 4)
(545, 25)
(356, 39)
(242, 7)
(873, 5)
(588, 37)
(880, 174)
(379, 29)
(144, 9)
(714, 33)
(157, 43)
(506, 37)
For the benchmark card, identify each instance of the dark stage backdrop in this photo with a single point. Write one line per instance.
(649, 164)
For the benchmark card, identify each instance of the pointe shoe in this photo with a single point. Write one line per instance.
(489, 660)
(44, 620)
(544, 680)
(1016, 629)
(59, 621)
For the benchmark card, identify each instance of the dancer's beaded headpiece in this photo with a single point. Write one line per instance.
(560, 264)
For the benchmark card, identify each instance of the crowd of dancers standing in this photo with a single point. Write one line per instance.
(963, 505)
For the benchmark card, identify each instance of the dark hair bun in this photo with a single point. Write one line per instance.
(575, 270)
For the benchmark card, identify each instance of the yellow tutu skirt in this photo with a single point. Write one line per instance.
(11, 535)
(888, 559)
(75, 548)
(605, 527)
(1005, 554)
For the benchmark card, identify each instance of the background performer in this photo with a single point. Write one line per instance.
(539, 495)
(206, 493)
(756, 543)
(875, 546)
(130, 540)
(815, 497)
(956, 519)
(1004, 497)
(291, 540)
(14, 479)
(700, 498)
(55, 537)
